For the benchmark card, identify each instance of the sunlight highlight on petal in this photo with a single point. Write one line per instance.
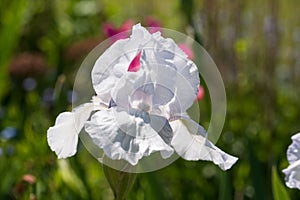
(63, 136)
(190, 142)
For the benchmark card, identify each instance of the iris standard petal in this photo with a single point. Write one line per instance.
(155, 51)
(165, 91)
(190, 142)
(134, 90)
(165, 52)
(63, 136)
(125, 136)
(114, 62)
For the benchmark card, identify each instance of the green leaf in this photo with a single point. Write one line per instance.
(257, 175)
(225, 191)
(12, 20)
(279, 191)
(69, 177)
(119, 181)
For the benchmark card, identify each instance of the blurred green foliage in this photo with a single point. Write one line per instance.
(254, 43)
(279, 190)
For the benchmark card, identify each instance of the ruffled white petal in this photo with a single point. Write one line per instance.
(134, 90)
(163, 90)
(114, 62)
(292, 172)
(160, 56)
(293, 152)
(63, 136)
(125, 136)
(292, 175)
(190, 142)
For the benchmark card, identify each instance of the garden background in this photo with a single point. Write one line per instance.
(255, 45)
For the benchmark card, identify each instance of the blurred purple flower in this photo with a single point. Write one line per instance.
(72, 96)
(9, 133)
(48, 95)
(200, 94)
(120, 33)
(29, 84)
(153, 23)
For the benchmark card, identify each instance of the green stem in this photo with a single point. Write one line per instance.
(120, 182)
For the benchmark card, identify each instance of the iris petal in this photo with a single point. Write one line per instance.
(292, 175)
(292, 172)
(293, 152)
(190, 142)
(63, 136)
(125, 136)
(114, 62)
(165, 91)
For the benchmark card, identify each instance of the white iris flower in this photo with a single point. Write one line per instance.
(292, 172)
(144, 85)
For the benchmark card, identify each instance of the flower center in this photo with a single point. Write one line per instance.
(140, 114)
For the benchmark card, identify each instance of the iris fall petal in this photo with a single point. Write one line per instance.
(190, 143)
(125, 136)
(63, 136)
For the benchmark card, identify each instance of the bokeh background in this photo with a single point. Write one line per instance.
(255, 45)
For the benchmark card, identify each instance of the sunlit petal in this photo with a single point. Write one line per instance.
(114, 62)
(63, 136)
(125, 136)
(293, 152)
(292, 175)
(166, 91)
(152, 50)
(190, 142)
(292, 172)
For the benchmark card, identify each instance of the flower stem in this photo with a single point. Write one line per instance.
(120, 182)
